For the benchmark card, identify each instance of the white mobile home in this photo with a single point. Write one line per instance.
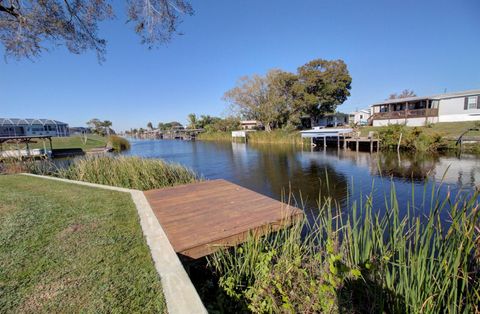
(32, 127)
(359, 117)
(419, 111)
(329, 120)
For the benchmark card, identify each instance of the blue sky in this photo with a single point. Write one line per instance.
(427, 46)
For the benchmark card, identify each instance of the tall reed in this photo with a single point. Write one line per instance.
(118, 143)
(361, 261)
(128, 172)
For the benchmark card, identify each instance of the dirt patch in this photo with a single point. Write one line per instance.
(6, 207)
(43, 293)
(76, 228)
(12, 167)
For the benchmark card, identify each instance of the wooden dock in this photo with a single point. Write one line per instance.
(200, 218)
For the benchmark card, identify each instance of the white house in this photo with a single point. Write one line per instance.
(32, 127)
(359, 117)
(332, 120)
(250, 125)
(419, 111)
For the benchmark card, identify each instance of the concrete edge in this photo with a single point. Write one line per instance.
(180, 294)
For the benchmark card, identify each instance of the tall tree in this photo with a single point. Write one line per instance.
(406, 93)
(95, 125)
(250, 96)
(323, 85)
(107, 127)
(27, 26)
(281, 97)
(150, 125)
(192, 121)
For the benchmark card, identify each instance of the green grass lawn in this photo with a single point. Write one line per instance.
(68, 248)
(76, 141)
(447, 129)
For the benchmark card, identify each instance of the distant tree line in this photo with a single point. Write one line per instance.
(213, 124)
(281, 99)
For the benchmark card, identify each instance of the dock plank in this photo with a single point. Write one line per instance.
(202, 217)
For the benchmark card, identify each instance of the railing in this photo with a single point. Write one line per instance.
(405, 114)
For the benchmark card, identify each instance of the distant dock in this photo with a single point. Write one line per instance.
(201, 218)
(341, 138)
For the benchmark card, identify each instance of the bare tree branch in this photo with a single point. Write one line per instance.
(26, 30)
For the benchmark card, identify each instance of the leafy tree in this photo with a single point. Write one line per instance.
(26, 26)
(192, 121)
(150, 125)
(95, 125)
(280, 98)
(107, 126)
(406, 93)
(251, 96)
(323, 85)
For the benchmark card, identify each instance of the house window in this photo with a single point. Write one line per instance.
(361, 116)
(472, 102)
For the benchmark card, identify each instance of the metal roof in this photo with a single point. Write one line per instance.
(20, 122)
(433, 97)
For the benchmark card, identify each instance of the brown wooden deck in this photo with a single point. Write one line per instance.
(200, 218)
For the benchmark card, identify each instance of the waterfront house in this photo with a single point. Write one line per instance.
(332, 120)
(250, 125)
(79, 130)
(326, 120)
(359, 117)
(420, 111)
(32, 127)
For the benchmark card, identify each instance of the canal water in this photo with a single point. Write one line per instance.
(307, 176)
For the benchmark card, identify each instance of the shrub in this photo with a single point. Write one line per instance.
(118, 143)
(413, 139)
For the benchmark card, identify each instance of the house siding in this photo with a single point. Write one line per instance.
(453, 110)
(408, 122)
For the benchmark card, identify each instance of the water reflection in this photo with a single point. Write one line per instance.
(343, 174)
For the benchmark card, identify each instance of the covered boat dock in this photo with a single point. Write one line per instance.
(341, 138)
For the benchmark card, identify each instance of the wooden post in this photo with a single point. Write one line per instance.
(357, 145)
(399, 141)
(338, 140)
(325, 141)
(51, 146)
(371, 145)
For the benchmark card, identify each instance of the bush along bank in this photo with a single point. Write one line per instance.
(421, 139)
(411, 139)
(361, 262)
(260, 137)
(118, 143)
(127, 172)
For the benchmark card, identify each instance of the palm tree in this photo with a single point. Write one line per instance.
(106, 125)
(192, 121)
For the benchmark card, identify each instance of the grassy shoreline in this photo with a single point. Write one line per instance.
(362, 262)
(260, 137)
(126, 172)
(434, 138)
(86, 143)
(69, 248)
